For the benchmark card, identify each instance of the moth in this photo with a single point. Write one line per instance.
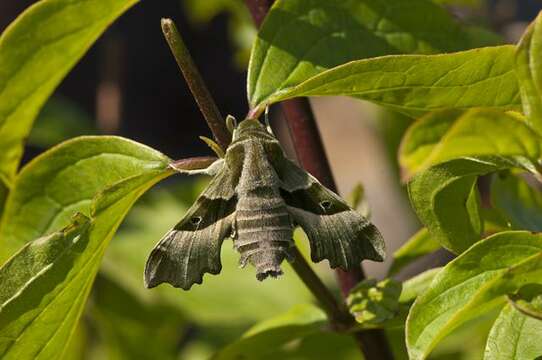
(257, 196)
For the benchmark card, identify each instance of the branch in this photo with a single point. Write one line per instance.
(196, 84)
(338, 315)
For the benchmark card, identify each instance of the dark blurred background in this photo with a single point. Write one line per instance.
(130, 84)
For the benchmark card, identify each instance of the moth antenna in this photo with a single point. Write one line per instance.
(214, 146)
(267, 125)
(231, 123)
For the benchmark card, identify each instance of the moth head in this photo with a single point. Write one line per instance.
(251, 128)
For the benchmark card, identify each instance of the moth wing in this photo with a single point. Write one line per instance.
(336, 232)
(192, 247)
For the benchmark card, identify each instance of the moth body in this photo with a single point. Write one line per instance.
(263, 228)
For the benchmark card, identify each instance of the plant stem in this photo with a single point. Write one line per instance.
(339, 315)
(196, 84)
(311, 154)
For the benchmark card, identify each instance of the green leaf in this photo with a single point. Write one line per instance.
(529, 72)
(4, 191)
(420, 244)
(417, 285)
(301, 38)
(520, 203)
(37, 51)
(446, 201)
(267, 336)
(48, 280)
(373, 302)
(514, 336)
(472, 284)
(64, 180)
(416, 84)
(451, 134)
(528, 301)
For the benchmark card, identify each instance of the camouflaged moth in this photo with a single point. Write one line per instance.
(256, 197)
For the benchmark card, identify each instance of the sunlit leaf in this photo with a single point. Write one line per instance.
(470, 285)
(514, 336)
(264, 337)
(420, 244)
(529, 72)
(528, 301)
(416, 84)
(298, 334)
(301, 38)
(451, 134)
(50, 278)
(37, 51)
(373, 302)
(64, 180)
(417, 285)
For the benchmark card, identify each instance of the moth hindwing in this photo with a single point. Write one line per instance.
(256, 197)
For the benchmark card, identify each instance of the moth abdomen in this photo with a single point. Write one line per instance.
(263, 234)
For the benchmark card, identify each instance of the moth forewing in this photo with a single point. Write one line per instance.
(336, 232)
(192, 247)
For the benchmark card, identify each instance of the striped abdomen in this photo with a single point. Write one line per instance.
(263, 231)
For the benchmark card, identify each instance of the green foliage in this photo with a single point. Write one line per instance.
(301, 38)
(37, 51)
(270, 334)
(514, 336)
(420, 244)
(472, 284)
(59, 213)
(517, 201)
(414, 287)
(529, 72)
(65, 180)
(416, 84)
(300, 333)
(447, 203)
(450, 134)
(373, 302)
(57, 273)
(528, 301)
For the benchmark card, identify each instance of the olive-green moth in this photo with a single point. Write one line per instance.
(256, 197)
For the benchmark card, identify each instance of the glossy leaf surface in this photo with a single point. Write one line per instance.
(451, 134)
(417, 84)
(529, 72)
(473, 283)
(512, 337)
(64, 180)
(301, 38)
